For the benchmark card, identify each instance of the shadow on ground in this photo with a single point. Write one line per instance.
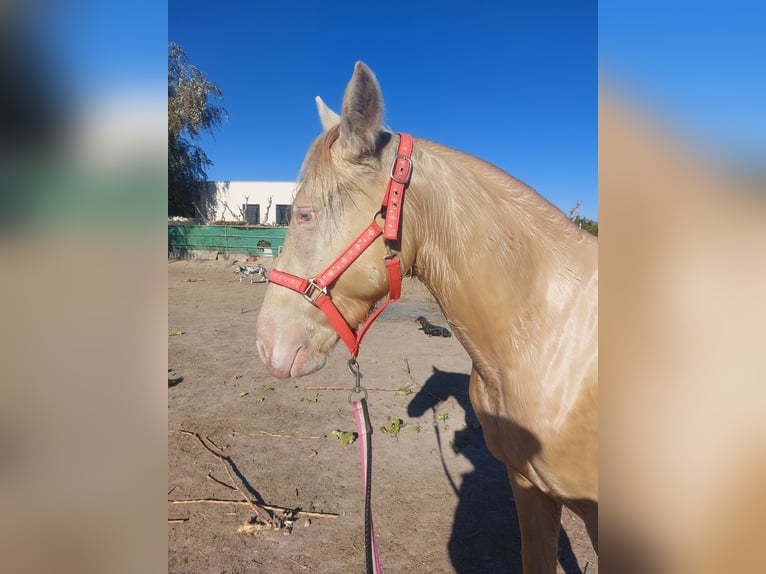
(485, 535)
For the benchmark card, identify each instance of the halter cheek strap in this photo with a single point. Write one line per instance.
(315, 289)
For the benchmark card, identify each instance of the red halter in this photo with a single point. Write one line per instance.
(315, 289)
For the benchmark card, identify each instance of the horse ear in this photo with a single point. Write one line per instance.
(362, 118)
(328, 117)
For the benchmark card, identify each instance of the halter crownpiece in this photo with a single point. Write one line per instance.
(314, 290)
(401, 172)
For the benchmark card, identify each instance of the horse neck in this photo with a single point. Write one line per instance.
(488, 247)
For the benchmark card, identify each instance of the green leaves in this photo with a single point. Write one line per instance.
(192, 109)
(345, 437)
(393, 427)
(190, 97)
(587, 224)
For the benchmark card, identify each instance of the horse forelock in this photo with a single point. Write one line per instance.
(329, 180)
(313, 181)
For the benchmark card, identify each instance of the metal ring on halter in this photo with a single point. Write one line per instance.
(390, 254)
(362, 391)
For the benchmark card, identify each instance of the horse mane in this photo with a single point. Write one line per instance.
(481, 182)
(484, 197)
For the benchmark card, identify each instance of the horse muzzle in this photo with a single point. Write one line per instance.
(287, 353)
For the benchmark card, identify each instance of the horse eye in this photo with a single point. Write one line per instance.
(306, 216)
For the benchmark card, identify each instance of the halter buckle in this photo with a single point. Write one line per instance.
(313, 292)
(408, 160)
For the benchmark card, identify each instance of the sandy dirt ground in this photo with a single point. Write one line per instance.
(441, 502)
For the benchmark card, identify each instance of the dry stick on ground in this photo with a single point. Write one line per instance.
(226, 462)
(297, 513)
(222, 483)
(298, 564)
(404, 388)
(407, 364)
(211, 441)
(277, 435)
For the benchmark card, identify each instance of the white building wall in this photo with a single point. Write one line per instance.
(225, 200)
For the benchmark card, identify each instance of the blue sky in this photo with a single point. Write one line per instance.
(699, 66)
(514, 83)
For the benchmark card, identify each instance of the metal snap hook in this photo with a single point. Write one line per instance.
(353, 368)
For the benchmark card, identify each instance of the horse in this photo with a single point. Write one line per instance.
(516, 280)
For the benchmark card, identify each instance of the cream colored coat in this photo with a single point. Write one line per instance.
(516, 280)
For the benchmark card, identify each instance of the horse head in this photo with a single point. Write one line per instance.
(339, 194)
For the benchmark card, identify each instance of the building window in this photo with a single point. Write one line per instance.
(252, 213)
(283, 214)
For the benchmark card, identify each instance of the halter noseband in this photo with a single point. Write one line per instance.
(315, 289)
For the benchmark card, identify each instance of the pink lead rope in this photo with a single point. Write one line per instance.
(364, 428)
